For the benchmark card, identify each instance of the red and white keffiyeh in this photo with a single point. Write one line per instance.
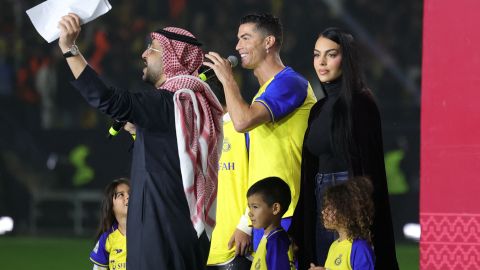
(198, 123)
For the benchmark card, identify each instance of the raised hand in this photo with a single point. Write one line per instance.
(221, 66)
(69, 30)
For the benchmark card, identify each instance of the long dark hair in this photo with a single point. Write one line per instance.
(352, 83)
(107, 217)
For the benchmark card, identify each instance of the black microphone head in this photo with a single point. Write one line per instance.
(207, 73)
(117, 125)
(233, 60)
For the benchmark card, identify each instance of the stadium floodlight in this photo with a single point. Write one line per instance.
(412, 231)
(6, 225)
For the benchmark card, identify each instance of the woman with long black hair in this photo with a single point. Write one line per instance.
(343, 139)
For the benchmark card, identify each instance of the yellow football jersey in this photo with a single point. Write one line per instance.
(276, 147)
(274, 252)
(111, 250)
(338, 257)
(231, 195)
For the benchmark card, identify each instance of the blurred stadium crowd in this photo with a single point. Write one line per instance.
(50, 140)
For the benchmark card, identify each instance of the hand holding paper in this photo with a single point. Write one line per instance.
(46, 16)
(69, 26)
(69, 29)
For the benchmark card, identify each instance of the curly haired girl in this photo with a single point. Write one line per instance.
(348, 209)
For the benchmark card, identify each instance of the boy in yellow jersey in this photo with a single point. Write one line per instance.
(277, 118)
(110, 252)
(348, 209)
(231, 200)
(268, 200)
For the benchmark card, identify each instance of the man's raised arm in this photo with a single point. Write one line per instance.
(69, 30)
(245, 117)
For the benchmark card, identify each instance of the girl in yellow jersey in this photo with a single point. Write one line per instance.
(110, 252)
(348, 209)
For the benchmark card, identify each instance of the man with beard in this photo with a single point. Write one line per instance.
(176, 151)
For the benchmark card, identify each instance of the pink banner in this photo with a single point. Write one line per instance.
(450, 136)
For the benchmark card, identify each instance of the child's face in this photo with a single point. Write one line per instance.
(260, 213)
(328, 215)
(120, 200)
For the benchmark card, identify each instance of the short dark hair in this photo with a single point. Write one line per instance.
(273, 190)
(268, 24)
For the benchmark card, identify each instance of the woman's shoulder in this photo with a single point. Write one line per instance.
(365, 102)
(317, 106)
(365, 96)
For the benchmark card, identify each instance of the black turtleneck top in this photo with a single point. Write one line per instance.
(318, 156)
(319, 139)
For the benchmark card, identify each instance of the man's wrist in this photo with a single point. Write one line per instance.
(243, 225)
(64, 47)
(71, 51)
(230, 83)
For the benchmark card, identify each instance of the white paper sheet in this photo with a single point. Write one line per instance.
(45, 16)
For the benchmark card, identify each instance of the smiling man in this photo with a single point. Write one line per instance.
(277, 118)
(176, 151)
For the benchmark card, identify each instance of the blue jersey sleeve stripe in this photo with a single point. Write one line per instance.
(268, 108)
(99, 255)
(362, 256)
(97, 263)
(285, 93)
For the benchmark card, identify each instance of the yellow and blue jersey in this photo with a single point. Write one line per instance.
(276, 146)
(350, 255)
(111, 250)
(231, 194)
(274, 252)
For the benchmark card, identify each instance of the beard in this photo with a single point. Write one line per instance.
(151, 75)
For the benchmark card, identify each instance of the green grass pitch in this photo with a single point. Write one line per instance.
(39, 253)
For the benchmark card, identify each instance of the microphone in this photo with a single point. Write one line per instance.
(209, 73)
(115, 128)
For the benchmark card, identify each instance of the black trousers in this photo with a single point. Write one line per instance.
(239, 263)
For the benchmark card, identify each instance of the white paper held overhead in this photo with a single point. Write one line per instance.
(45, 16)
